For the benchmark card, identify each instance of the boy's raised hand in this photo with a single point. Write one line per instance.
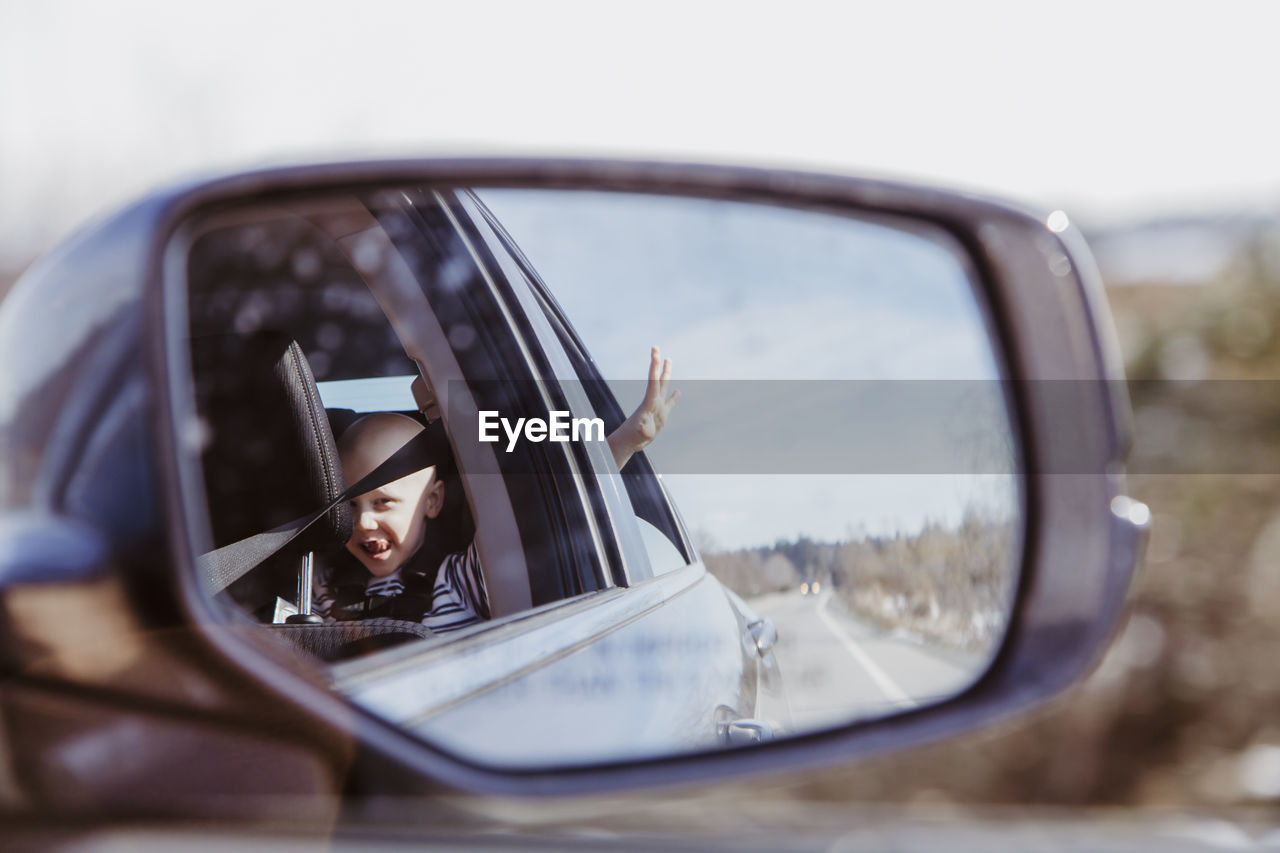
(644, 424)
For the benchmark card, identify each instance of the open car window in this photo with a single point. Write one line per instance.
(389, 308)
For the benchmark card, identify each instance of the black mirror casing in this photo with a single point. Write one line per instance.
(117, 380)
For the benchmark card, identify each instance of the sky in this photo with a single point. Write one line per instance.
(1107, 109)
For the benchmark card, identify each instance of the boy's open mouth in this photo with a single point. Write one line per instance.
(376, 547)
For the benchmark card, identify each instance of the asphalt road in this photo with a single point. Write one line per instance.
(836, 668)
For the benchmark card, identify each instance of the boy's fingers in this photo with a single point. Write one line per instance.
(653, 390)
(652, 394)
(672, 400)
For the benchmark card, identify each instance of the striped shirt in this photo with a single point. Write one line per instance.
(458, 599)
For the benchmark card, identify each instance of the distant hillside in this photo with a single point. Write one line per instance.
(1180, 250)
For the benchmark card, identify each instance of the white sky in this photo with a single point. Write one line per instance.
(1106, 108)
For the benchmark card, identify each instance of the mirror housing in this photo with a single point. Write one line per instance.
(112, 393)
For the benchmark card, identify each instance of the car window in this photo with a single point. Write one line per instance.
(562, 517)
(312, 278)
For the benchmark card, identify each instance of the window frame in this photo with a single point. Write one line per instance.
(545, 484)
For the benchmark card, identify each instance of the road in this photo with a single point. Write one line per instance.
(836, 668)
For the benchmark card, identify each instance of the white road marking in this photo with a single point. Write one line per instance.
(886, 684)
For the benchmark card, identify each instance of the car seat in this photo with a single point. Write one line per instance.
(270, 460)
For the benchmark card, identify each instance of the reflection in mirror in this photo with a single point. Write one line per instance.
(826, 527)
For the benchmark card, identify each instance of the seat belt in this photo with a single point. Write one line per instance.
(226, 565)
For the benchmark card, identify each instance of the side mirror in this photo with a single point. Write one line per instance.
(887, 507)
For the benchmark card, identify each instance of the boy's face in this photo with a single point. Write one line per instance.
(388, 523)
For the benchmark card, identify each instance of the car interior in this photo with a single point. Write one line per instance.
(270, 463)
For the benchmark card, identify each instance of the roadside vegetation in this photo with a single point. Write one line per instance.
(947, 585)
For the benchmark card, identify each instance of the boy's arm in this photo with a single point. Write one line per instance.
(459, 598)
(639, 430)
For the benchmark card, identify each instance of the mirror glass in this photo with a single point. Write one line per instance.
(446, 466)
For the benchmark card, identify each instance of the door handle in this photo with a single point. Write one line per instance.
(746, 731)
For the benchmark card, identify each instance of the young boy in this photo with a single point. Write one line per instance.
(389, 524)
(389, 527)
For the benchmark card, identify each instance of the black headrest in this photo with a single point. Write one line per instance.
(271, 456)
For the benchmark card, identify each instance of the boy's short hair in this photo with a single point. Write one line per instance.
(371, 440)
